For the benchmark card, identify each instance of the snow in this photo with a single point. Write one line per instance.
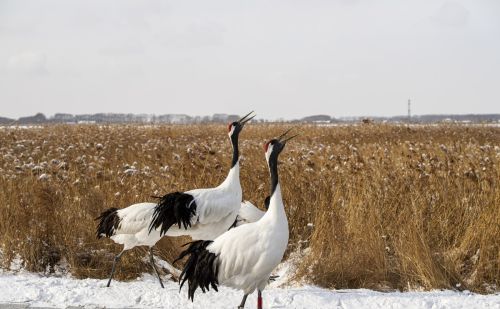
(145, 292)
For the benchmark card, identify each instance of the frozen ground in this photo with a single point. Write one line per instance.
(31, 290)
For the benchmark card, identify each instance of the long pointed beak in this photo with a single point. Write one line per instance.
(245, 118)
(286, 140)
(282, 135)
(283, 141)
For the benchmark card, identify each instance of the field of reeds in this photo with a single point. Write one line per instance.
(375, 206)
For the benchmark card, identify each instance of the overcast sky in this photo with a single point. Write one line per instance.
(280, 58)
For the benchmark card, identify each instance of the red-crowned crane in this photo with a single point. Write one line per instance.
(243, 257)
(200, 213)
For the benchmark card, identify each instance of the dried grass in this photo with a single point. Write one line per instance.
(374, 206)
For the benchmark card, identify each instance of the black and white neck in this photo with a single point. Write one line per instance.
(273, 169)
(234, 128)
(233, 177)
(276, 208)
(273, 148)
(234, 132)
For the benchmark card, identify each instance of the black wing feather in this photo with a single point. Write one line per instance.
(109, 221)
(173, 208)
(201, 269)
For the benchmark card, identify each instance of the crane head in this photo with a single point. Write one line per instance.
(234, 128)
(276, 145)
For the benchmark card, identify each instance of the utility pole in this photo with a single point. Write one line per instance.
(409, 110)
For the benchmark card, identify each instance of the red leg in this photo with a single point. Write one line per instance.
(259, 300)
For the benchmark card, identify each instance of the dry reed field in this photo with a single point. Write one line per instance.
(376, 206)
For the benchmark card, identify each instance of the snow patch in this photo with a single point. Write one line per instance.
(145, 292)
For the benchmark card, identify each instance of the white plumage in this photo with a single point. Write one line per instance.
(132, 230)
(216, 210)
(249, 253)
(200, 213)
(244, 257)
(248, 213)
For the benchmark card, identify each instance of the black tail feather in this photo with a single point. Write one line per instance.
(173, 208)
(108, 223)
(201, 269)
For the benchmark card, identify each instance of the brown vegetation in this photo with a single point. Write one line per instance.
(368, 206)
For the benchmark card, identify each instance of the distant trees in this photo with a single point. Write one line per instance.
(40, 118)
(37, 119)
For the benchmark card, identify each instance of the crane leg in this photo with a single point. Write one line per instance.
(242, 305)
(117, 258)
(154, 266)
(259, 300)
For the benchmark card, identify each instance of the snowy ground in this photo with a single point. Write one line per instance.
(145, 292)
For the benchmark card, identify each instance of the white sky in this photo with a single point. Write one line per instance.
(280, 58)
